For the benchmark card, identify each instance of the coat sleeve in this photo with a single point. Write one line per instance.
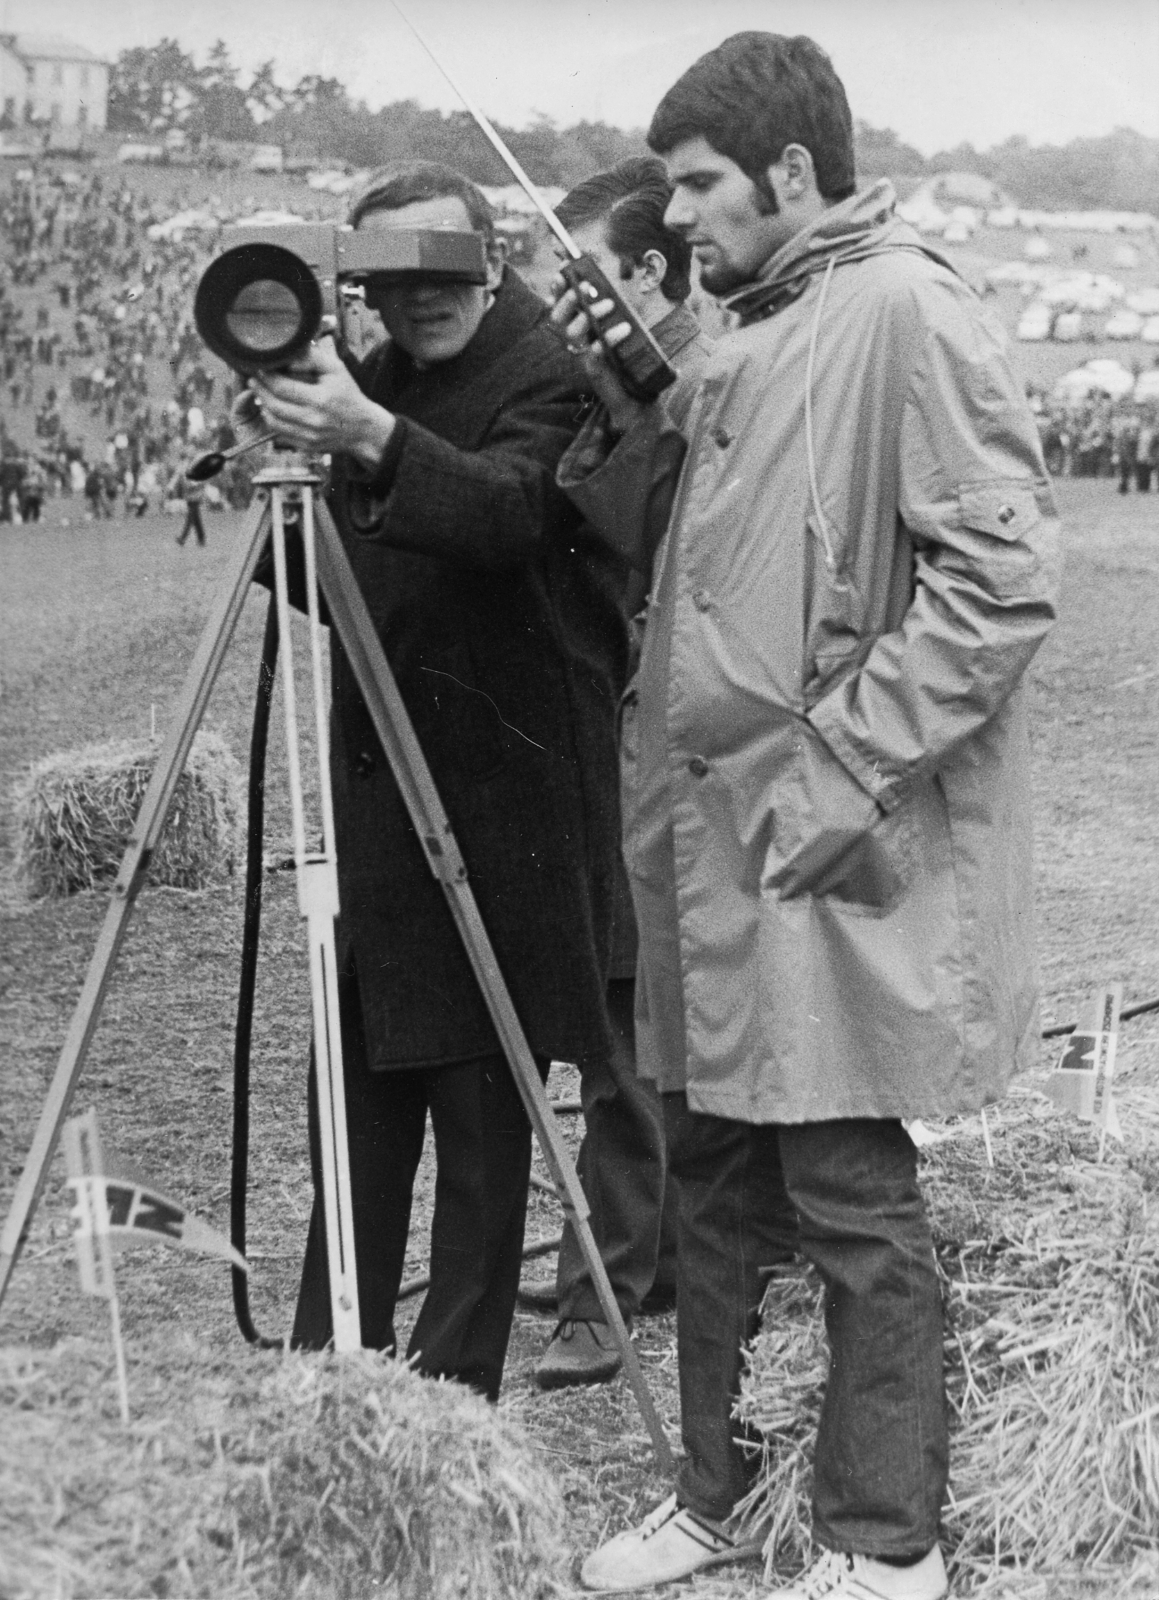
(974, 496)
(487, 507)
(624, 487)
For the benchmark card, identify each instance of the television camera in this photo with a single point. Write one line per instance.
(275, 286)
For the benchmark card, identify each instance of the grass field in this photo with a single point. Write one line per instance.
(97, 626)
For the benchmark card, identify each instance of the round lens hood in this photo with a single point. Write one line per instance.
(257, 307)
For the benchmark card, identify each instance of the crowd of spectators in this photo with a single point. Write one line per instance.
(1101, 438)
(104, 380)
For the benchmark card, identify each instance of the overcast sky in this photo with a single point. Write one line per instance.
(937, 71)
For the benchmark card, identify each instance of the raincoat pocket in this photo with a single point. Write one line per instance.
(996, 542)
(830, 838)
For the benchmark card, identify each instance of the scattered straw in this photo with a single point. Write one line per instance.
(1050, 1266)
(75, 810)
(255, 1477)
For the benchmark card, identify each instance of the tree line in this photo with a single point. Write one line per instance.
(160, 87)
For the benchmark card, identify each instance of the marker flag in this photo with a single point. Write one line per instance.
(128, 1210)
(1082, 1081)
(85, 1158)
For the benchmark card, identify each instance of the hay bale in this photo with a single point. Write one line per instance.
(1050, 1267)
(75, 810)
(256, 1477)
(366, 1474)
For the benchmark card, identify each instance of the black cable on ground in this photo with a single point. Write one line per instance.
(243, 1031)
(1060, 1028)
(251, 928)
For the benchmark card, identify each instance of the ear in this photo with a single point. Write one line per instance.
(496, 261)
(654, 268)
(793, 177)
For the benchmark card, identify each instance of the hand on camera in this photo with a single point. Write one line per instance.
(317, 406)
(583, 329)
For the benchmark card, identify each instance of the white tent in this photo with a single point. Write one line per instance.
(924, 214)
(271, 217)
(510, 200)
(1101, 376)
(195, 221)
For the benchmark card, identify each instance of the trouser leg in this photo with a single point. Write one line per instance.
(386, 1122)
(483, 1149)
(622, 1168)
(881, 1457)
(735, 1219)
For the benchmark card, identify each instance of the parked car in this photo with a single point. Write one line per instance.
(1068, 327)
(1124, 324)
(1035, 322)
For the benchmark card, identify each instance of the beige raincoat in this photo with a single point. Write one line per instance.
(827, 813)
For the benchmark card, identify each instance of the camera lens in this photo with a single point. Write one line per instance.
(258, 306)
(265, 315)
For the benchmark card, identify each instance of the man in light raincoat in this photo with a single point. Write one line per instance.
(826, 805)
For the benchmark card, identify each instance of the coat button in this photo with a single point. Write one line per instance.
(1006, 514)
(702, 600)
(698, 767)
(721, 437)
(364, 764)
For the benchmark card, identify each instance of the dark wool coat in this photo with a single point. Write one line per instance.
(500, 618)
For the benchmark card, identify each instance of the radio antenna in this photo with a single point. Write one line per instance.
(500, 145)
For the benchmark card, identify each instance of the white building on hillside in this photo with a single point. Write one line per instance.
(47, 79)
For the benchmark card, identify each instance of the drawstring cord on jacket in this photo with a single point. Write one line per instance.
(822, 524)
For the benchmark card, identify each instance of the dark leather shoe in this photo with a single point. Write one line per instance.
(660, 1299)
(538, 1296)
(580, 1352)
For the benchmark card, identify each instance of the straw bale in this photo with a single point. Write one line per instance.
(1050, 1271)
(75, 810)
(258, 1476)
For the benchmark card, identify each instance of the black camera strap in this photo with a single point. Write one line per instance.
(251, 929)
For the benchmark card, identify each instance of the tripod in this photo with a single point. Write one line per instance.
(290, 481)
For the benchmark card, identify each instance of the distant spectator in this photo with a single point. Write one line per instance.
(95, 494)
(32, 491)
(1146, 452)
(193, 494)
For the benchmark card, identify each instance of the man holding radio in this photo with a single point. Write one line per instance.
(499, 617)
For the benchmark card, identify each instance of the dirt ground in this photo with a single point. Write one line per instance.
(97, 627)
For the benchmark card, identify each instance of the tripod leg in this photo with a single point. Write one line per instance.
(352, 620)
(317, 876)
(133, 872)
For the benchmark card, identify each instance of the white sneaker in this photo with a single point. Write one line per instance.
(670, 1543)
(836, 1575)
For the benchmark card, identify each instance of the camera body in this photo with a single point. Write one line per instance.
(274, 286)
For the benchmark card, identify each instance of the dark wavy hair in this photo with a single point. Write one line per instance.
(390, 188)
(753, 95)
(631, 199)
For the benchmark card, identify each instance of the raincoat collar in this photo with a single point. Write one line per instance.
(864, 225)
(675, 330)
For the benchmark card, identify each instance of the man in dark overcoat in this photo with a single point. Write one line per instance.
(500, 619)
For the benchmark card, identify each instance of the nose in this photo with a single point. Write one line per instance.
(678, 215)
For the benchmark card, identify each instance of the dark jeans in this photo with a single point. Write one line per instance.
(193, 523)
(621, 1165)
(845, 1195)
(483, 1150)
